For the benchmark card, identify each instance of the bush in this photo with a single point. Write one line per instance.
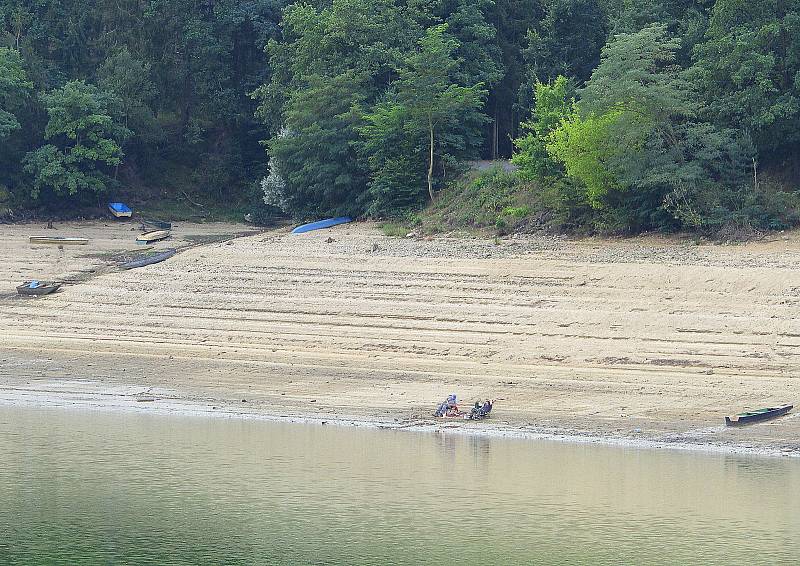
(501, 202)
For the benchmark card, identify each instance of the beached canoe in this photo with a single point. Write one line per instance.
(149, 260)
(37, 288)
(61, 240)
(160, 224)
(153, 236)
(321, 224)
(757, 415)
(119, 210)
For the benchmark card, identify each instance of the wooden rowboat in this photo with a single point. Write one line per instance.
(153, 236)
(37, 288)
(149, 260)
(61, 240)
(160, 224)
(757, 415)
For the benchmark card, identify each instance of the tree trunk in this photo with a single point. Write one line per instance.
(430, 163)
(495, 132)
(755, 175)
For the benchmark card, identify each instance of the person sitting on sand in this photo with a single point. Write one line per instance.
(487, 407)
(446, 408)
(475, 410)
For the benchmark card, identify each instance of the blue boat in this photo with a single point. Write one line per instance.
(120, 210)
(320, 224)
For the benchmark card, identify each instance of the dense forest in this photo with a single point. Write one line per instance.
(620, 115)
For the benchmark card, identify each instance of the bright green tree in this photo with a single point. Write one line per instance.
(638, 130)
(85, 142)
(434, 103)
(586, 147)
(553, 105)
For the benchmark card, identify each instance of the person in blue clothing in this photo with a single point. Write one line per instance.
(447, 407)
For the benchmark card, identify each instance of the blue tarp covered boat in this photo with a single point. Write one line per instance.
(120, 210)
(37, 288)
(319, 225)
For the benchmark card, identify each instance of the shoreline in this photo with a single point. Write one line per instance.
(486, 429)
(641, 342)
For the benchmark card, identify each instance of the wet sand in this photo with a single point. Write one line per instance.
(648, 341)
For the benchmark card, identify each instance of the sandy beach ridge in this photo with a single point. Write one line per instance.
(646, 341)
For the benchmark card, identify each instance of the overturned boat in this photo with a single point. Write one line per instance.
(322, 224)
(149, 260)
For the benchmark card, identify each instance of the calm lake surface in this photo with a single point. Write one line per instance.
(130, 488)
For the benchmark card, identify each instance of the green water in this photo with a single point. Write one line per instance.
(109, 488)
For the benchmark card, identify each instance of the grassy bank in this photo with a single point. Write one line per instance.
(492, 201)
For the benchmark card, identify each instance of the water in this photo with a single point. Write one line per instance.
(103, 488)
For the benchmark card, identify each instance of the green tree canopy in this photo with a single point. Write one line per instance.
(427, 109)
(553, 105)
(749, 68)
(638, 128)
(14, 88)
(85, 142)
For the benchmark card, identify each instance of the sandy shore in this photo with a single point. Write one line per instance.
(645, 341)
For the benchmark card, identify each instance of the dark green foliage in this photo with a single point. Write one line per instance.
(749, 68)
(14, 88)
(411, 140)
(315, 154)
(693, 111)
(394, 154)
(512, 19)
(181, 73)
(84, 145)
(362, 92)
(568, 40)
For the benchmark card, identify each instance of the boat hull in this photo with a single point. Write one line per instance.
(157, 258)
(43, 289)
(63, 241)
(153, 236)
(119, 210)
(160, 224)
(758, 416)
(321, 224)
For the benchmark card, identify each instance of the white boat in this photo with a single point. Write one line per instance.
(62, 240)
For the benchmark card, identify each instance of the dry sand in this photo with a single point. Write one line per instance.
(648, 341)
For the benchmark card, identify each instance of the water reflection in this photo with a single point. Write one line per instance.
(97, 488)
